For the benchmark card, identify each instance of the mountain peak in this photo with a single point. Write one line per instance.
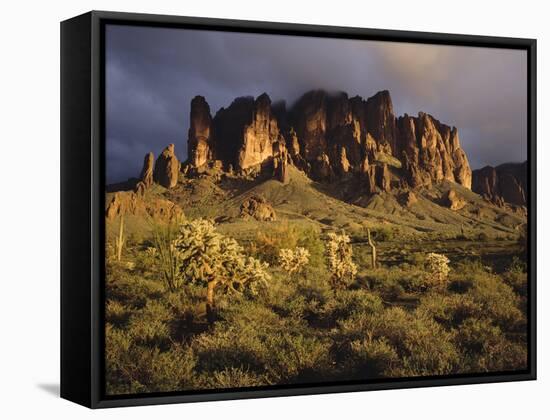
(329, 136)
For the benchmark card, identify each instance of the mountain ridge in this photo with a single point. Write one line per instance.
(327, 136)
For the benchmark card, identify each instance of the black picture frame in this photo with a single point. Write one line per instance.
(83, 203)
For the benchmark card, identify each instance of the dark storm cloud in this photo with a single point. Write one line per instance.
(153, 73)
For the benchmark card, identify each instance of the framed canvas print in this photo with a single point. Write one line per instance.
(257, 209)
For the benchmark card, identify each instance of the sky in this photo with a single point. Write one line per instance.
(153, 73)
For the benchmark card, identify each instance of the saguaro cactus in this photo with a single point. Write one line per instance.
(119, 241)
(372, 250)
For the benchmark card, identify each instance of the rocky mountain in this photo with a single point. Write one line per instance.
(504, 184)
(358, 146)
(329, 137)
(329, 161)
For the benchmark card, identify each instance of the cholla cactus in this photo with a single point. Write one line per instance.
(208, 258)
(294, 260)
(339, 254)
(438, 268)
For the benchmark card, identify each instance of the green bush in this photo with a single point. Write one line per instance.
(423, 346)
(230, 378)
(372, 358)
(486, 349)
(498, 302)
(516, 276)
(449, 310)
(256, 340)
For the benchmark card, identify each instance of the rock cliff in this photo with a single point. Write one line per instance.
(329, 136)
(199, 141)
(167, 168)
(503, 184)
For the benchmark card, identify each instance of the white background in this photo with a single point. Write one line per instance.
(29, 210)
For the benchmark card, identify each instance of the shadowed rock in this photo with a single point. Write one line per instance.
(506, 183)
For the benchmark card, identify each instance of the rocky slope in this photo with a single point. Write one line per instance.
(504, 184)
(328, 137)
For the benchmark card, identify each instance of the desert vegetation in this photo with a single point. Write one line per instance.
(328, 241)
(189, 307)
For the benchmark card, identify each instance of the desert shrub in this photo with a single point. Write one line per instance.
(163, 371)
(428, 349)
(132, 368)
(325, 310)
(133, 291)
(516, 276)
(230, 378)
(413, 281)
(485, 348)
(310, 239)
(418, 259)
(483, 237)
(347, 303)
(339, 255)
(498, 302)
(116, 313)
(438, 268)
(255, 339)
(269, 242)
(370, 358)
(383, 234)
(460, 285)
(149, 327)
(423, 346)
(169, 262)
(523, 237)
(307, 301)
(471, 267)
(392, 283)
(146, 260)
(448, 310)
(293, 260)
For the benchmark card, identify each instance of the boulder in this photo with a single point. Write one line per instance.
(454, 201)
(258, 208)
(409, 199)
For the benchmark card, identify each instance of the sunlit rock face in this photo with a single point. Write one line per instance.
(199, 139)
(147, 171)
(329, 136)
(167, 168)
(259, 136)
(431, 152)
